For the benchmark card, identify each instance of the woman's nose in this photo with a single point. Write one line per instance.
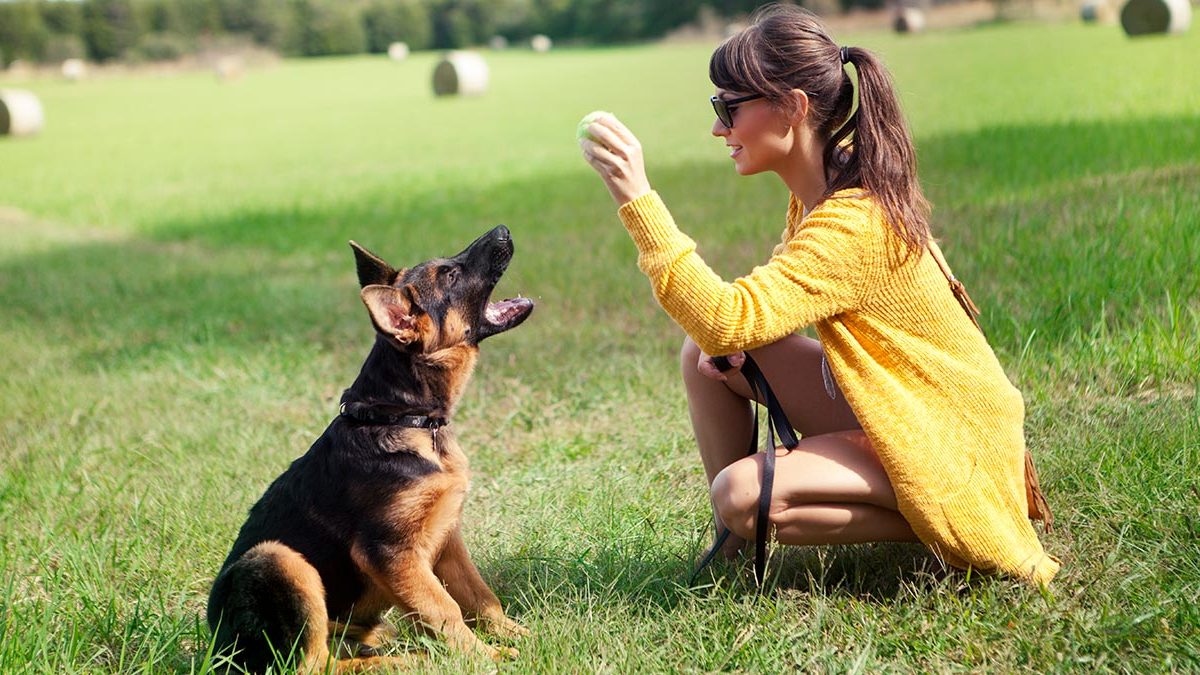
(719, 129)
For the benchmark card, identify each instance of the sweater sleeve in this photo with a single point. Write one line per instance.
(822, 271)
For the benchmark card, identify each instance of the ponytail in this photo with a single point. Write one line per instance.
(881, 158)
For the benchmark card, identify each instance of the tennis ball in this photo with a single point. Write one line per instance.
(581, 131)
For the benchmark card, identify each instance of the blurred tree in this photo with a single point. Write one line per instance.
(451, 26)
(109, 28)
(318, 27)
(326, 27)
(63, 18)
(158, 15)
(23, 34)
(665, 16)
(388, 21)
(609, 20)
(197, 17)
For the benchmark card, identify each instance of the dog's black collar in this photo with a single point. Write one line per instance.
(390, 415)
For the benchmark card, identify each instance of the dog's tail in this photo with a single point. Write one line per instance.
(268, 608)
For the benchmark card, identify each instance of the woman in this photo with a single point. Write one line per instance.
(910, 428)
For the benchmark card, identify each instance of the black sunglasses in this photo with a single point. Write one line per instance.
(725, 107)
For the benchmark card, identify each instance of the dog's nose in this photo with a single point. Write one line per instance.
(502, 233)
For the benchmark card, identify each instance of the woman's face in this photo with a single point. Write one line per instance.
(761, 137)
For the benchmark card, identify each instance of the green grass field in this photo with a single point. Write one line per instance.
(179, 314)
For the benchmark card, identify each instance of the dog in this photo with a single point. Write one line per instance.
(369, 518)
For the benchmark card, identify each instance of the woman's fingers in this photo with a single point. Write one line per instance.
(609, 138)
(736, 360)
(707, 368)
(601, 158)
(618, 128)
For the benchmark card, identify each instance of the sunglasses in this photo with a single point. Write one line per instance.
(725, 107)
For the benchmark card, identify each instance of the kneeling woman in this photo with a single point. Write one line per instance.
(910, 428)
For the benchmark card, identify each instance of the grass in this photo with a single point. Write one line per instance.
(179, 318)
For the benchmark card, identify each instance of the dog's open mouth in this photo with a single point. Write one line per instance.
(507, 314)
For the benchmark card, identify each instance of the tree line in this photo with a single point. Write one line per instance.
(106, 30)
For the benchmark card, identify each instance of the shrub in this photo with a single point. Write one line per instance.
(163, 46)
(59, 48)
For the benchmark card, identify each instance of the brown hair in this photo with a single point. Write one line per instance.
(785, 48)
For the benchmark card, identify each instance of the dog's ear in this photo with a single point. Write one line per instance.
(371, 268)
(395, 312)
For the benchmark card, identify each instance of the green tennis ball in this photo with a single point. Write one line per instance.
(581, 131)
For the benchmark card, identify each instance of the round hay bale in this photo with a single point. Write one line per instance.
(398, 51)
(498, 42)
(464, 73)
(909, 20)
(74, 69)
(541, 43)
(20, 113)
(1148, 17)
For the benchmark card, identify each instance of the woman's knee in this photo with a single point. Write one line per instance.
(689, 356)
(735, 492)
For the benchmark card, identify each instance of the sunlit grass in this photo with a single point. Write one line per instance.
(180, 315)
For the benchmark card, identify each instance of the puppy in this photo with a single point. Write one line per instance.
(369, 517)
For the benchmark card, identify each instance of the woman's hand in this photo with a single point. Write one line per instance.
(617, 158)
(709, 369)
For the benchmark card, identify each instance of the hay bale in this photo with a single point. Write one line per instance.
(498, 42)
(398, 51)
(541, 43)
(74, 69)
(1148, 17)
(20, 113)
(909, 20)
(463, 73)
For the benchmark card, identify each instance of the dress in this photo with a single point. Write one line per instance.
(930, 394)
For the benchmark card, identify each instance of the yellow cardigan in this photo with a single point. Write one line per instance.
(928, 390)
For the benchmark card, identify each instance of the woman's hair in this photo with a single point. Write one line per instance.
(785, 48)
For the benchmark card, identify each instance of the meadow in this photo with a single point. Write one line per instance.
(179, 315)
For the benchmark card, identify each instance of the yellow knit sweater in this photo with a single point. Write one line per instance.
(924, 383)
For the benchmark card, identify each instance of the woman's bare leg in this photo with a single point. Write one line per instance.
(831, 489)
(722, 417)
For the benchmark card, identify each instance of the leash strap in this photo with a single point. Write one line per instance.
(777, 422)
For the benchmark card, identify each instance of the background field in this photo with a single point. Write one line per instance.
(178, 315)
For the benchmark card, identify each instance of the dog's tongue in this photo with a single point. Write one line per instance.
(503, 311)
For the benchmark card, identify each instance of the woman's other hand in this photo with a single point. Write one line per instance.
(708, 367)
(617, 157)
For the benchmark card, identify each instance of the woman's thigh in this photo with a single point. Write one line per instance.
(793, 368)
(839, 467)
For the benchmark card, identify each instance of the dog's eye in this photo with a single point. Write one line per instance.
(448, 274)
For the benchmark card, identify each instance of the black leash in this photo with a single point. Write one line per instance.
(777, 422)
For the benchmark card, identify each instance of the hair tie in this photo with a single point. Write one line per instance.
(845, 55)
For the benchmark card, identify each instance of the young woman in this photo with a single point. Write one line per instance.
(910, 428)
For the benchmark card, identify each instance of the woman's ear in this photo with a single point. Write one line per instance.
(798, 106)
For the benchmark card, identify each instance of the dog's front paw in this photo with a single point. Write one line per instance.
(504, 654)
(503, 627)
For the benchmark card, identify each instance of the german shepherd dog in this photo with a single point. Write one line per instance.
(369, 517)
